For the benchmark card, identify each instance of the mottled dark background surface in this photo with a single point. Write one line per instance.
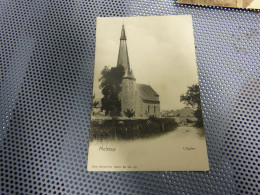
(47, 58)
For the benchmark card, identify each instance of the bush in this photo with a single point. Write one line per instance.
(189, 121)
(129, 113)
(131, 129)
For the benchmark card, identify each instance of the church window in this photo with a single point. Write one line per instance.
(148, 109)
(154, 109)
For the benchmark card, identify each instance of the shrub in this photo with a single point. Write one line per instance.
(131, 129)
(189, 121)
(129, 113)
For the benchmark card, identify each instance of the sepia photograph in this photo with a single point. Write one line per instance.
(146, 112)
(249, 4)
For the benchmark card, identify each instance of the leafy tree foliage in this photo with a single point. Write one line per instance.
(111, 79)
(192, 98)
(129, 113)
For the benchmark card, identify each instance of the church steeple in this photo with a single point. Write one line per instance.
(123, 37)
(123, 58)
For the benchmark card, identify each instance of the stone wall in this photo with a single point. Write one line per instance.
(139, 106)
(127, 95)
(154, 109)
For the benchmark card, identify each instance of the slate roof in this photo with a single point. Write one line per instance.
(147, 92)
(123, 58)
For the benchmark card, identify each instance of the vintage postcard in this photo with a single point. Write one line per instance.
(146, 110)
(248, 4)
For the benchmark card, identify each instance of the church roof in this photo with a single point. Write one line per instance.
(123, 59)
(123, 36)
(147, 92)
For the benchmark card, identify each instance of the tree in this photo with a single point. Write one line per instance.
(111, 79)
(192, 98)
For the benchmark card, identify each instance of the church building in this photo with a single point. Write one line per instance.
(141, 98)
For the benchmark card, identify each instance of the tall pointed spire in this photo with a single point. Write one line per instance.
(123, 37)
(123, 58)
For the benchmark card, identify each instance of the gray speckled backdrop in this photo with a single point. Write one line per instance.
(47, 58)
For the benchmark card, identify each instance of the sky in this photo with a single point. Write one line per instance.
(161, 53)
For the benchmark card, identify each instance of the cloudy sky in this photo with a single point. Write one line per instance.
(161, 53)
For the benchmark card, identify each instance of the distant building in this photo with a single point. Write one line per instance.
(141, 98)
(186, 112)
(181, 115)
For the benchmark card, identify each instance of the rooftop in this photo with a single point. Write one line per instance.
(147, 92)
